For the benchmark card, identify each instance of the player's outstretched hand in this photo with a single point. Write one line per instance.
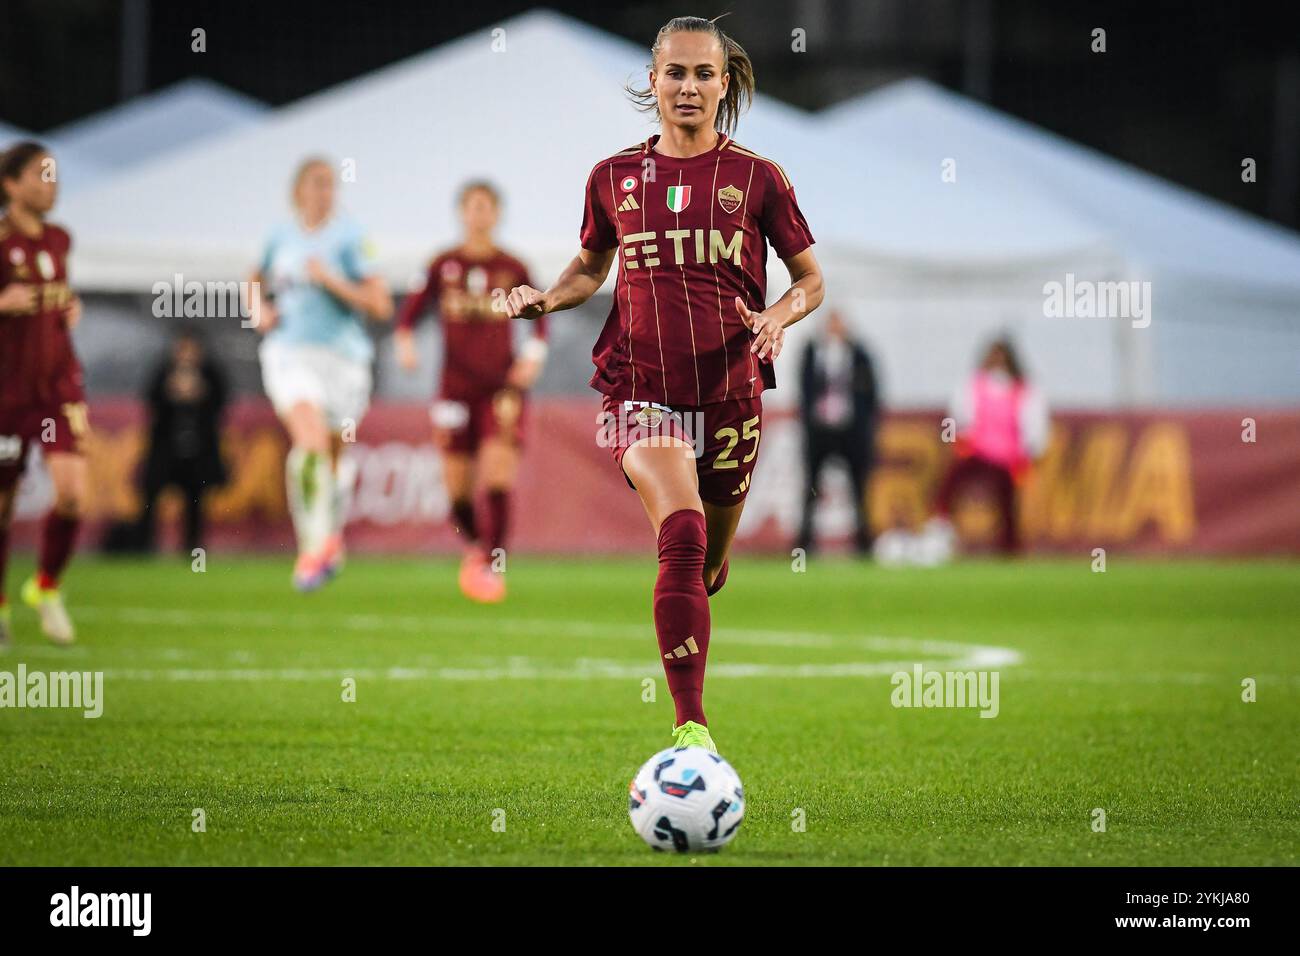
(769, 333)
(525, 302)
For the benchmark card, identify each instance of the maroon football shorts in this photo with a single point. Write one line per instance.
(463, 426)
(56, 428)
(723, 437)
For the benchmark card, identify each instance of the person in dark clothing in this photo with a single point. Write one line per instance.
(186, 397)
(840, 408)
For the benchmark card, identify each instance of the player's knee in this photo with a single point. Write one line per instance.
(307, 428)
(683, 540)
(69, 502)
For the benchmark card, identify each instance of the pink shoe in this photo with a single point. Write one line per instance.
(469, 566)
(333, 556)
(478, 581)
(309, 573)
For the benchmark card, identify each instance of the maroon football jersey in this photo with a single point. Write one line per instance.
(478, 337)
(692, 236)
(37, 363)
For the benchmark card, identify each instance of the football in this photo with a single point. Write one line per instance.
(686, 800)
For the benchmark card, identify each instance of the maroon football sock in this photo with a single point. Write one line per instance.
(462, 518)
(682, 611)
(498, 518)
(58, 534)
(720, 579)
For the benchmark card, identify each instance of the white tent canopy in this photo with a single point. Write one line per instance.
(1151, 220)
(925, 267)
(406, 137)
(933, 253)
(887, 204)
(150, 126)
(1225, 286)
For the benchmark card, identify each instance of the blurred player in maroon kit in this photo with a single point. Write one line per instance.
(41, 394)
(478, 415)
(688, 346)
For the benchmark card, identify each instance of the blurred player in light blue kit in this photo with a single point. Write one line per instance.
(312, 292)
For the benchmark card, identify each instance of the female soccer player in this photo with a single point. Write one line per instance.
(1002, 428)
(311, 294)
(41, 394)
(688, 345)
(478, 416)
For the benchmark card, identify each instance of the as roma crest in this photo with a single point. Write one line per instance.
(649, 417)
(730, 198)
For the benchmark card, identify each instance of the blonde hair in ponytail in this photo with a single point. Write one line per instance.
(740, 90)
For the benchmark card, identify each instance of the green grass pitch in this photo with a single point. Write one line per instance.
(223, 692)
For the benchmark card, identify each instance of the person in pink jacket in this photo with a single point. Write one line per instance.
(1001, 429)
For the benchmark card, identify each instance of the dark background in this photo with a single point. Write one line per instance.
(1185, 89)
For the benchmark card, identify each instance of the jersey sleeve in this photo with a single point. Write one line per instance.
(598, 231)
(415, 304)
(782, 220)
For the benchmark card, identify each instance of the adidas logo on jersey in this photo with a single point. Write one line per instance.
(743, 484)
(682, 650)
(628, 204)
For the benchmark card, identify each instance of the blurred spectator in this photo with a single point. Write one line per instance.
(186, 396)
(840, 408)
(1001, 429)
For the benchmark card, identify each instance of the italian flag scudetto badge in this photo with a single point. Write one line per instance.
(679, 197)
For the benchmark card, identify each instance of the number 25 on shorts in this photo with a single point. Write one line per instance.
(749, 432)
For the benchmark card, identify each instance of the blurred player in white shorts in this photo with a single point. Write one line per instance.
(312, 292)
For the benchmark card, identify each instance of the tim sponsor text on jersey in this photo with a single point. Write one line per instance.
(644, 244)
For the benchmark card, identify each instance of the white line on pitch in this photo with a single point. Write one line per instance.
(988, 655)
(514, 669)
